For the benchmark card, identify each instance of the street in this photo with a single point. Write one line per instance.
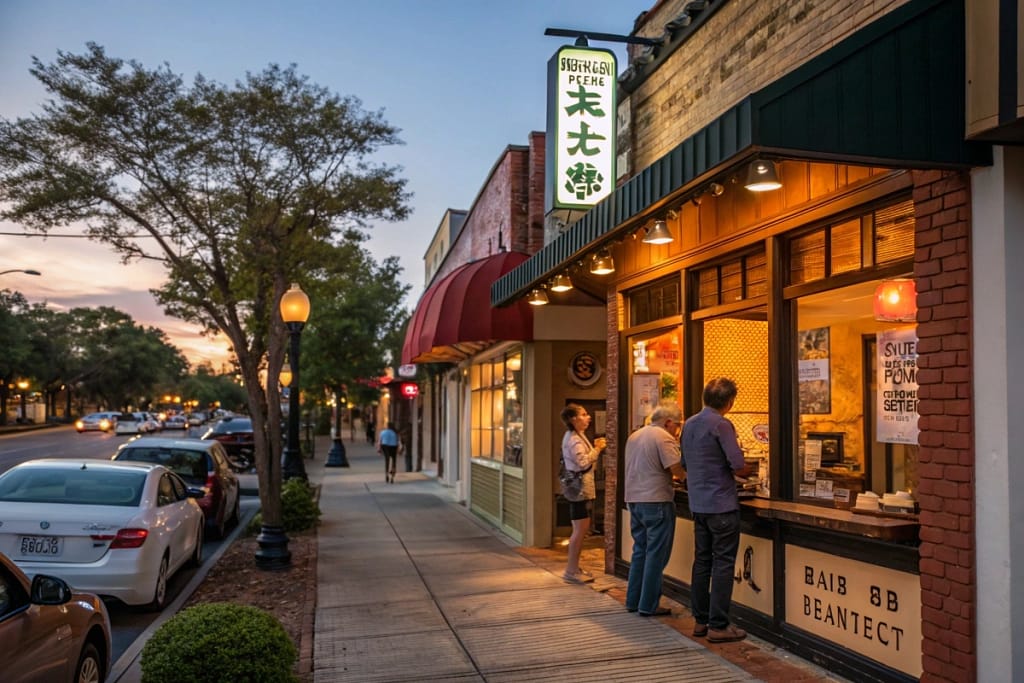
(126, 623)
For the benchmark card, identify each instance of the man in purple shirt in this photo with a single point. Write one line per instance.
(712, 457)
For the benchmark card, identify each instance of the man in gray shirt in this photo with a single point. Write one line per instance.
(712, 457)
(652, 457)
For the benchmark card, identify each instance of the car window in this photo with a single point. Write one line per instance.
(12, 595)
(165, 494)
(188, 464)
(233, 425)
(72, 486)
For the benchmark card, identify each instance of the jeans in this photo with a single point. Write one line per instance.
(653, 527)
(716, 539)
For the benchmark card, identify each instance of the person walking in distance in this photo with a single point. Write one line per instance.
(712, 457)
(579, 455)
(387, 445)
(651, 457)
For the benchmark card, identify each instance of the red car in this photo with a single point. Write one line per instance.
(203, 465)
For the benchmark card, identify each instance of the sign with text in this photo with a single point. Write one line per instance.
(580, 159)
(869, 609)
(897, 386)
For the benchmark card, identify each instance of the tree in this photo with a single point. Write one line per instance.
(235, 190)
(359, 309)
(15, 342)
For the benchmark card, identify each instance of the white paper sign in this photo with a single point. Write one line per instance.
(896, 407)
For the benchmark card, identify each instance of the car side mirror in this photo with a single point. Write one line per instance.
(194, 492)
(49, 590)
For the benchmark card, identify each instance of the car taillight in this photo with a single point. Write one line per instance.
(127, 538)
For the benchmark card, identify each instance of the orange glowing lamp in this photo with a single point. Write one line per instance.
(896, 301)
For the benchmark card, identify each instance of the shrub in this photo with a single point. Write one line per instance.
(219, 641)
(299, 509)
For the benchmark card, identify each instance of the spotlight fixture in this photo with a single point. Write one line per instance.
(537, 297)
(659, 234)
(561, 283)
(762, 176)
(716, 189)
(602, 263)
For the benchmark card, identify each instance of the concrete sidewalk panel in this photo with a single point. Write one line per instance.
(392, 658)
(468, 563)
(495, 609)
(687, 667)
(447, 546)
(495, 581)
(361, 590)
(413, 616)
(593, 637)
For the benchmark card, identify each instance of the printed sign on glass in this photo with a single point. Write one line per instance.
(581, 128)
(897, 386)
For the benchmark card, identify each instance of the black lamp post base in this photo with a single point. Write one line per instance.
(273, 553)
(293, 467)
(336, 457)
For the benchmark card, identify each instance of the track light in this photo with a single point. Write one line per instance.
(561, 283)
(537, 297)
(762, 176)
(602, 263)
(658, 234)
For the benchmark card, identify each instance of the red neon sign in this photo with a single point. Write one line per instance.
(410, 389)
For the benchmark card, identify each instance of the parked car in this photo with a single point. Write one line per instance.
(49, 632)
(176, 422)
(130, 423)
(117, 529)
(152, 422)
(97, 422)
(196, 419)
(235, 434)
(202, 464)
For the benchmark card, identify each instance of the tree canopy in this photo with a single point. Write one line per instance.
(236, 190)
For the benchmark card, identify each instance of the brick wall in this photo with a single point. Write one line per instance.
(946, 454)
(742, 48)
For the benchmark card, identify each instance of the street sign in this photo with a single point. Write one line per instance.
(408, 370)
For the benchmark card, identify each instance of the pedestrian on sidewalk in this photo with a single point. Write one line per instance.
(712, 458)
(387, 445)
(652, 457)
(579, 455)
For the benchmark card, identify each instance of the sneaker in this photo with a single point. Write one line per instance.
(578, 577)
(729, 634)
(584, 572)
(700, 630)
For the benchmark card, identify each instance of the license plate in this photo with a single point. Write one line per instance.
(41, 546)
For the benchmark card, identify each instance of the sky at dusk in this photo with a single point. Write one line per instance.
(462, 79)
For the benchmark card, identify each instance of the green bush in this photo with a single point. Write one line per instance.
(219, 641)
(299, 509)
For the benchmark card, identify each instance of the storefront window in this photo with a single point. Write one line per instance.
(497, 413)
(656, 371)
(857, 414)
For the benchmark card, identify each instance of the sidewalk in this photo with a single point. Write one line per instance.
(413, 587)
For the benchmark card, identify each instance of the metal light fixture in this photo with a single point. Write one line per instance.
(896, 301)
(658, 234)
(762, 176)
(602, 263)
(285, 376)
(561, 283)
(537, 297)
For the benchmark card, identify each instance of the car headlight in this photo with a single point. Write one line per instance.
(79, 424)
(104, 424)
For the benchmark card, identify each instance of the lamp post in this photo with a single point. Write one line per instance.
(294, 313)
(20, 270)
(22, 386)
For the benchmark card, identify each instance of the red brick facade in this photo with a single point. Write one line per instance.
(946, 459)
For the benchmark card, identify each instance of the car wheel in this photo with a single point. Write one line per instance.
(160, 590)
(89, 665)
(197, 553)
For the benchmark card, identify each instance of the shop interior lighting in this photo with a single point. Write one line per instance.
(537, 297)
(762, 176)
(658, 234)
(602, 263)
(561, 283)
(896, 301)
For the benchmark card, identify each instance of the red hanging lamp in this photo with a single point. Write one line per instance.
(896, 301)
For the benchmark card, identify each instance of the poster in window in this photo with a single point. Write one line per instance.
(813, 369)
(896, 409)
(645, 398)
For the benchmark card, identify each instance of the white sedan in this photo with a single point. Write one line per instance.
(117, 529)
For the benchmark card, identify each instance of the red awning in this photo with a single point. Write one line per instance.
(454, 318)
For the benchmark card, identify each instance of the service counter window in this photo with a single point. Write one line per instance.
(656, 356)
(855, 365)
(497, 413)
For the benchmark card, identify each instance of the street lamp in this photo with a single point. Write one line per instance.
(294, 313)
(19, 270)
(22, 386)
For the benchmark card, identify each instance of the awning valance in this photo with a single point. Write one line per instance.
(454, 318)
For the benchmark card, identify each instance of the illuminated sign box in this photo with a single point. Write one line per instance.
(580, 158)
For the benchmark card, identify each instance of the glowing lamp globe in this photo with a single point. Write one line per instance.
(896, 301)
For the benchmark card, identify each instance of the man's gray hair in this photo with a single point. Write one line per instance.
(667, 410)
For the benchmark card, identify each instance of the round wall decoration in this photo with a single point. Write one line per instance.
(584, 369)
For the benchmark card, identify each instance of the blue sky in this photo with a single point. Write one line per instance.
(461, 79)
